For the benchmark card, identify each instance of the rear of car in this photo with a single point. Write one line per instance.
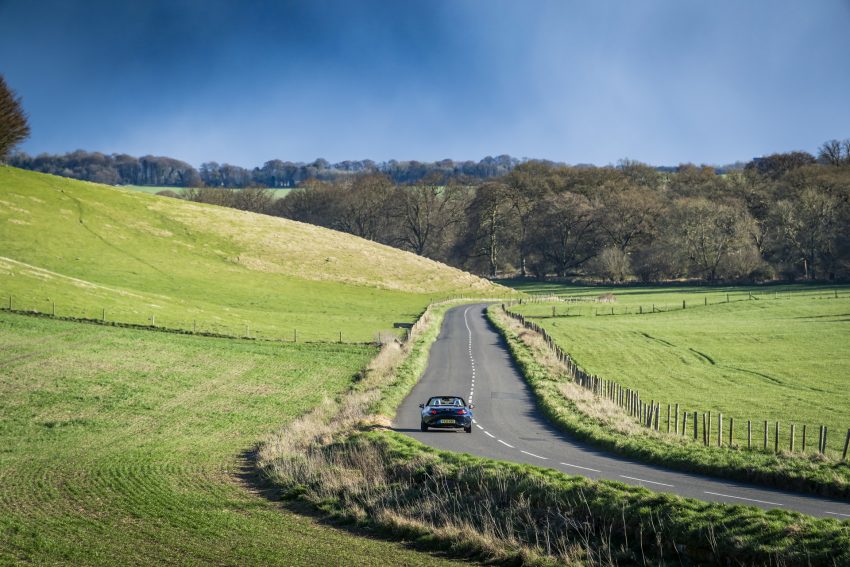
(446, 412)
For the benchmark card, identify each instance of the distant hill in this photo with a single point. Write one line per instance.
(93, 250)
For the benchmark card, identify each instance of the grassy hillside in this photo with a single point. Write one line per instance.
(93, 250)
(780, 356)
(126, 446)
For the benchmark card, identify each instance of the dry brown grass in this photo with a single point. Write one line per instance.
(583, 399)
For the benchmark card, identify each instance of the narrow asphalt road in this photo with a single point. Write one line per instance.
(469, 359)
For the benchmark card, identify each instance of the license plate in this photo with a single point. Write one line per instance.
(447, 421)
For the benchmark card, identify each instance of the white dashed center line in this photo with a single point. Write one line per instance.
(505, 444)
(837, 514)
(488, 434)
(644, 480)
(479, 427)
(742, 498)
(580, 467)
(533, 455)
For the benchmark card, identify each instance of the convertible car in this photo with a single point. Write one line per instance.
(446, 412)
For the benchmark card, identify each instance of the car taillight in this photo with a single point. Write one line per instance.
(433, 412)
(461, 412)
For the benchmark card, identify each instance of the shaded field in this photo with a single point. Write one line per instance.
(781, 356)
(127, 446)
(94, 251)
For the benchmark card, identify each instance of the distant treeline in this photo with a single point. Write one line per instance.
(123, 169)
(784, 216)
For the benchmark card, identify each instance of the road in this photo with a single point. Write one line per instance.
(469, 359)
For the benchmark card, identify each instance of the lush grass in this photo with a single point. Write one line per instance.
(93, 250)
(126, 446)
(782, 357)
(277, 193)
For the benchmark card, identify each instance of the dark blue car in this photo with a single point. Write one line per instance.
(447, 412)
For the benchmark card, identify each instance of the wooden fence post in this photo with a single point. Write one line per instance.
(731, 429)
(804, 438)
(684, 423)
(704, 431)
(295, 335)
(676, 431)
(824, 440)
(776, 439)
(765, 435)
(846, 445)
(658, 414)
(791, 444)
(668, 418)
(696, 425)
(749, 434)
(820, 439)
(708, 430)
(719, 429)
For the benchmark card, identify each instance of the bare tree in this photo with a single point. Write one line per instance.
(565, 234)
(488, 231)
(14, 127)
(424, 213)
(808, 225)
(712, 234)
(364, 211)
(835, 152)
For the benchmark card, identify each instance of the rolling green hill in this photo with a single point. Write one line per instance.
(89, 250)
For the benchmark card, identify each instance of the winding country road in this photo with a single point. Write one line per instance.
(471, 360)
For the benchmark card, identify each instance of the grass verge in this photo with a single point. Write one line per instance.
(343, 462)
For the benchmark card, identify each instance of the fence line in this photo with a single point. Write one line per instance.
(666, 308)
(242, 330)
(648, 414)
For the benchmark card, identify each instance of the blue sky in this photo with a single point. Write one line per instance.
(243, 82)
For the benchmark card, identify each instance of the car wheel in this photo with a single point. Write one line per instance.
(423, 427)
(468, 429)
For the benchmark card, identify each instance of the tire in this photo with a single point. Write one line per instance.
(423, 427)
(468, 429)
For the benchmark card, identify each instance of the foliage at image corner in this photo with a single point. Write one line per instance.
(811, 474)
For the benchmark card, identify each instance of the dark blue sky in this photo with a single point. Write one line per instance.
(580, 82)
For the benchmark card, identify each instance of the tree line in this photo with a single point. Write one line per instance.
(782, 216)
(123, 169)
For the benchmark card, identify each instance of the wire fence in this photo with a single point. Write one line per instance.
(715, 431)
(210, 325)
(605, 304)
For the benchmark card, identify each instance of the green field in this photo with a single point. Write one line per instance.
(277, 193)
(780, 356)
(94, 251)
(124, 446)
